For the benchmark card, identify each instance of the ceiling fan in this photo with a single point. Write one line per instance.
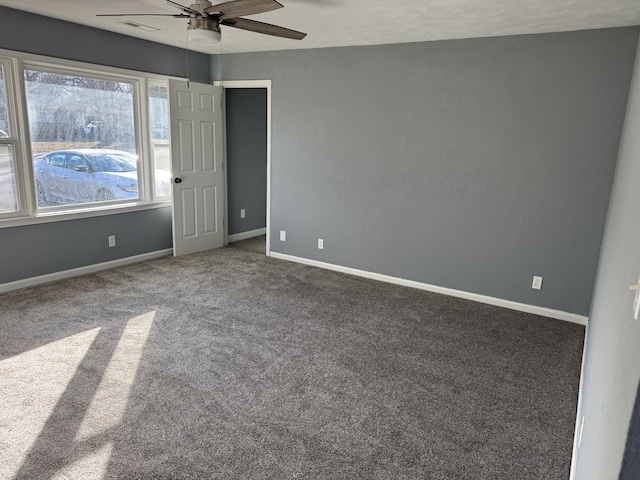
(205, 19)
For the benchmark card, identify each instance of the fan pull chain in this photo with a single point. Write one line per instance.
(187, 59)
(220, 77)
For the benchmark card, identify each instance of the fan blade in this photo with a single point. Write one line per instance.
(241, 8)
(177, 15)
(186, 10)
(260, 27)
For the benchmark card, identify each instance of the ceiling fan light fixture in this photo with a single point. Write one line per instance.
(205, 19)
(202, 36)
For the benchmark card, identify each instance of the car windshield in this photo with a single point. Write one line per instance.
(112, 162)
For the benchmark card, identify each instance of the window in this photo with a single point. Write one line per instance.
(79, 140)
(89, 121)
(160, 148)
(8, 191)
(9, 199)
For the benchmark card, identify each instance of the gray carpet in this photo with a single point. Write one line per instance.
(255, 244)
(232, 365)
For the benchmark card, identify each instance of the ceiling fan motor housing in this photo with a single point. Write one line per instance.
(200, 5)
(204, 23)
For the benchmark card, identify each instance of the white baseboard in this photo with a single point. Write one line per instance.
(499, 302)
(236, 237)
(74, 272)
(522, 307)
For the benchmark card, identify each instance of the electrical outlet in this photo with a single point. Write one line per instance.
(537, 283)
(320, 244)
(283, 236)
(112, 241)
(242, 213)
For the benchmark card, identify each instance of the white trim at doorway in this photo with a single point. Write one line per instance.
(257, 84)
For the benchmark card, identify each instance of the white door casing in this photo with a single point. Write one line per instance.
(197, 161)
(267, 85)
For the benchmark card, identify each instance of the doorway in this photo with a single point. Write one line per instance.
(248, 159)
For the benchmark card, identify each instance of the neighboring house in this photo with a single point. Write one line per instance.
(469, 164)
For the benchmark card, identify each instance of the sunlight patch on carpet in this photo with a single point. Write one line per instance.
(90, 467)
(31, 384)
(110, 400)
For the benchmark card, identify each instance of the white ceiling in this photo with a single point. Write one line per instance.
(331, 23)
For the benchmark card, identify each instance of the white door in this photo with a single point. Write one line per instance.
(196, 159)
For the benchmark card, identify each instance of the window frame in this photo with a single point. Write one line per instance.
(28, 211)
(9, 68)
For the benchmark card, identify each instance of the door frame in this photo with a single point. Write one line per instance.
(250, 84)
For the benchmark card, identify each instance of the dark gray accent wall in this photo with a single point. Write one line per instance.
(34, 250)
(468, 164)
(30, 33)
(612, 361)
(246, 128)
(40, 249)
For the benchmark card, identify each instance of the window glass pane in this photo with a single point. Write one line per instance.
(8, 191)
(161, 151)
(83, 138)
(4, 114)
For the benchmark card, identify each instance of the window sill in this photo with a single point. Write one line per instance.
(79, 213)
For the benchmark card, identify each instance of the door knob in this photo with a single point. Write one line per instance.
(178, 180)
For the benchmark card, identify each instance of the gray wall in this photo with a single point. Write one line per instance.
(469, 164)
(246, 128)
(30, 251)
(612, 362)
(45, 248)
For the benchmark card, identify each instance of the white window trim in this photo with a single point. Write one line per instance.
(9, 65)
(20, 138)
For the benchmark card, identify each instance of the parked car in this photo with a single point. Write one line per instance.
(89, 175)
